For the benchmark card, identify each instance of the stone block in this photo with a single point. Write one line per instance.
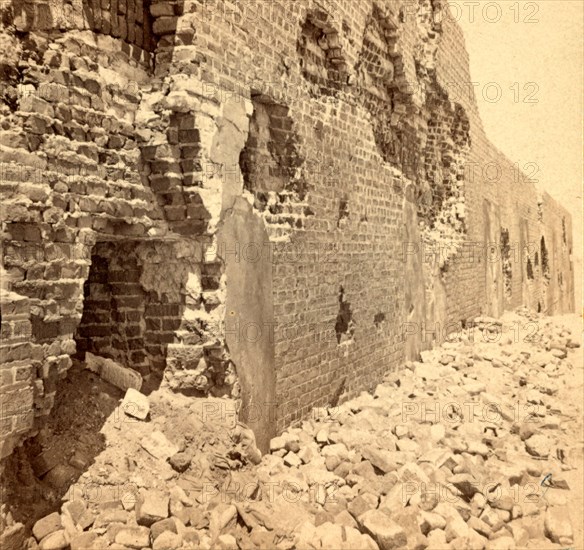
(47, 525)
(135, 404)
(151, 507)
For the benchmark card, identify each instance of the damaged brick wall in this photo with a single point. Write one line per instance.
(335, 120)
(272, 168)
(69, 172)
(80, 121)
(17, 361)
(321, 54)
(128, 20)
(557, 281)
(121, 320)
(441, 204)
(385, 92)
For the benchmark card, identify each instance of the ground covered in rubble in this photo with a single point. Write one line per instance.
(479, 445)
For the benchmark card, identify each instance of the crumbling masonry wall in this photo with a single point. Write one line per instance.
(320, 153)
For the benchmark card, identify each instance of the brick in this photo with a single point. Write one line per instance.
(23, 374)
(164, 25)
(15, 352)
(153, 324)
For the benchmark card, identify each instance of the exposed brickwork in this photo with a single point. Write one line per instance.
(129, 129)
(16, 371)
(127, 20)
(120, 319)
(321, 53)
(272, 168)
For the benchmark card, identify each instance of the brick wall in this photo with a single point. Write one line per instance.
(120, 319)
(130, 129)
(16, 371)
(127, 20)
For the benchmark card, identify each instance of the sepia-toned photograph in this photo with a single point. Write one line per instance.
(291, 275)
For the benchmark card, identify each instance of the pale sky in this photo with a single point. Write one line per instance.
(534, 52)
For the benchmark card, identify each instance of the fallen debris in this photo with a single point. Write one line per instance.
(112, 372)
(135, 404)
(436, 457)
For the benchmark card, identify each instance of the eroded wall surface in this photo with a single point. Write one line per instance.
(131, 129)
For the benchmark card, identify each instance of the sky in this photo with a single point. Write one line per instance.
(534, 52)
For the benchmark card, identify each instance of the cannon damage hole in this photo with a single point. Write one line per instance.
(121, 320)
(344, 326)
(271, 166)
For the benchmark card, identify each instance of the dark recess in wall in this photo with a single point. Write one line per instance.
(545, 268)
(529, 270)
(343, 211)
(271, 165)
(344, 327)
(378, 319)
(507, 264)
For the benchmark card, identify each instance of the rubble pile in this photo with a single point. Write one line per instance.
(475, 446)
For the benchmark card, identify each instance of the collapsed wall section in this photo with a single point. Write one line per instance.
(121, 320)
(106, 219)
(68, 155)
